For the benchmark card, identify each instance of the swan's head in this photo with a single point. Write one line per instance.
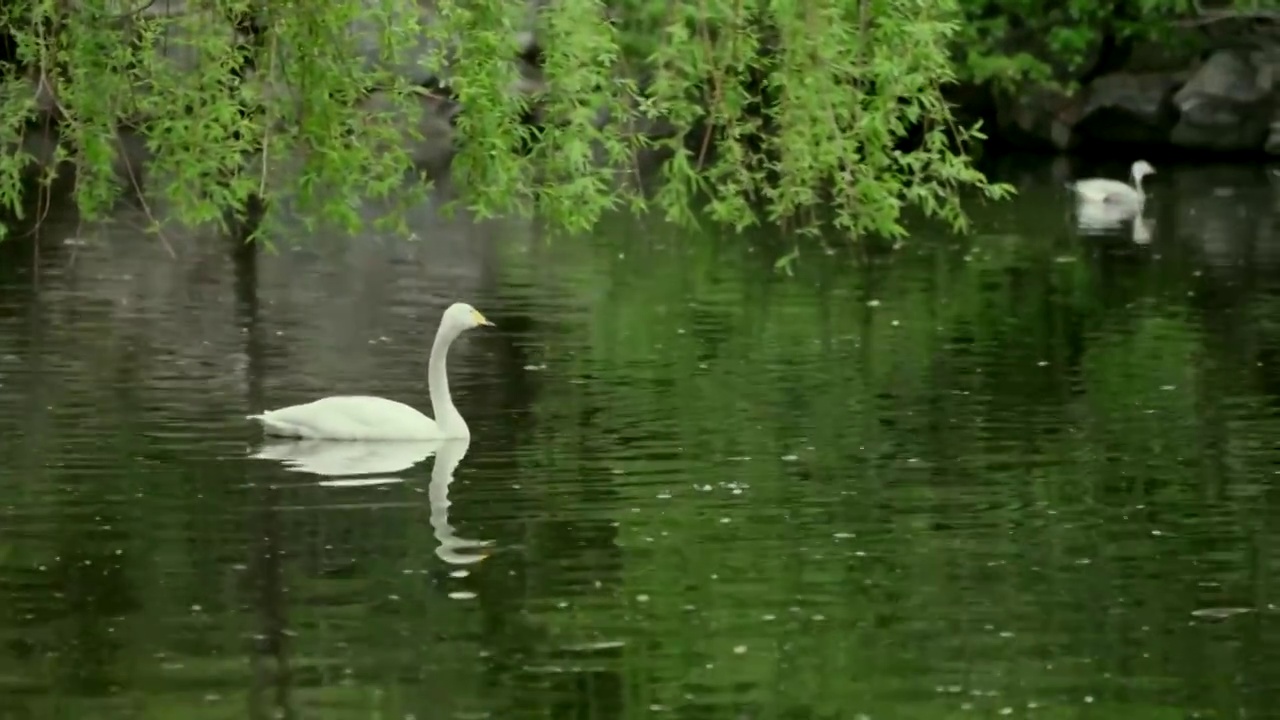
(1141, 169)
(461, 316)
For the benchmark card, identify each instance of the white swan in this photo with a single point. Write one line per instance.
(362, 417)
(1113, 192)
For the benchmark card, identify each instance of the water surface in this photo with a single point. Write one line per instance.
(1024, 473)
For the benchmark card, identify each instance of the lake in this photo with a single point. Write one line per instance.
(1030, 472)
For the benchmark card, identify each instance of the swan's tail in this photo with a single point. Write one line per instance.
(276, 426)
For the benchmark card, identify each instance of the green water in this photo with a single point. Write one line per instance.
(1022, 474)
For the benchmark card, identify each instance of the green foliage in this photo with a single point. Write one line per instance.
(854, 129)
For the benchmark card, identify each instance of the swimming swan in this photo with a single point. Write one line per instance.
(1114, 192)
(362, 417)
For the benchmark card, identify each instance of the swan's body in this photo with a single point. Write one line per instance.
(350, 417)
(1102, 218)
(363, 417)
(1105, 191)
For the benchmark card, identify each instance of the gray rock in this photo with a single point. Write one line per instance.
(1128, 108)
(1268, 62)
(1225, 106)
(370, 27)
(368, 30)
(183, 29)
(1038, 118)
(422, 123)
(39, 143)
(45, 104)
(365, 34)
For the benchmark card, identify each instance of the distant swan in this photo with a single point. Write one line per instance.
(362, 417)
(1113, 192)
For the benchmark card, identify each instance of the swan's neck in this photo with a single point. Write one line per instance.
(1137, 184)
(447, 417)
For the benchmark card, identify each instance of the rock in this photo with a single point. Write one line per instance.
(41, 133)
(1273, 140)
(1175, 49)
(40, 87)
(1268, 63)
(424, 125)
(1038, 118)
(369, 27)
(1225, 106)
(528, 80)
(39, 142)
(179, 26)
(177, 37)
(1128, 108)
(971, 102)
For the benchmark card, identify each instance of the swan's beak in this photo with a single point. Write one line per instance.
(480, 319)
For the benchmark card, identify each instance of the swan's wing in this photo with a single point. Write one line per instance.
(350, 417)
(1102, 216)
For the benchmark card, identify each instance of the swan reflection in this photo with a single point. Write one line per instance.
(1142, 230)
(1101, 217)
(1105, 220)
(342, 459)
(356, 464)
(449, 547)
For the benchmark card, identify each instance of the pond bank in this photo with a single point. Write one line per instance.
(1208, 90)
